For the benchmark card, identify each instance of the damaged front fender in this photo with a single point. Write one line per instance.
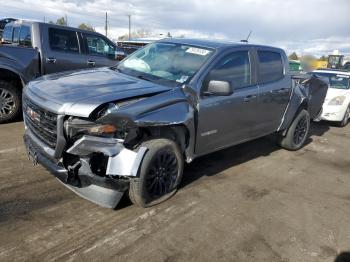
(172, 108)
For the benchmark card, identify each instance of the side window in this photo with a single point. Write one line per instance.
(25, 36)
(63, 40)
(98, 46)
(234, 68)
(270, 66)
(7, 36)
(15, 38)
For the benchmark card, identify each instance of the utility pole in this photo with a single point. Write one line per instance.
(66, 19)
(106, 24)
(129, 27)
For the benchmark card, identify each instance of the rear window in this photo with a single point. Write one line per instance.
(7, 35)
(25, 38)
(63, 40)
(270, 66)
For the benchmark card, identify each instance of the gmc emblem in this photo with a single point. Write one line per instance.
(34, 116)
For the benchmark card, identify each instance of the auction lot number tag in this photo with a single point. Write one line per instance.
(197, 51)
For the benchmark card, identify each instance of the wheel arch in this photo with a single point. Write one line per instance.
(10, 75)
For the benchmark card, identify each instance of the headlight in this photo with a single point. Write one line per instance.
(76, 126)
(337, 101)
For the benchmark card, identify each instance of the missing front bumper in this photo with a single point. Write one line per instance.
(105, 191)
(121, 161)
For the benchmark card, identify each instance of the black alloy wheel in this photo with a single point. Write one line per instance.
(162, 174)
(300, 131)
(159, 174)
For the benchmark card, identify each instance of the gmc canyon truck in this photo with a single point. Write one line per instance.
(130, 128)
(31, 49)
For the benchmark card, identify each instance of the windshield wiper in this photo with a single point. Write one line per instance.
(147, 78)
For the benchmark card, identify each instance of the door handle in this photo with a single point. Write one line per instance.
(91, 63)
(51, 60)
(249, 98)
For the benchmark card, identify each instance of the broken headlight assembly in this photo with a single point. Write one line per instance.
(337, 101)
(77, 127)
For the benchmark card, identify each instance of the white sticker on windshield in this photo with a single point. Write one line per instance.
(198, 51)
(182, 79)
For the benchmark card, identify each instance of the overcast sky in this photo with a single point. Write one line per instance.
(309, 27)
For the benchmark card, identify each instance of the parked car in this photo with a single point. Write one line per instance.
(107, 131)
(336, 106)
(31, 49)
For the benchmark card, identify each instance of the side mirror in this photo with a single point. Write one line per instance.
(219, 88)
(119, 55)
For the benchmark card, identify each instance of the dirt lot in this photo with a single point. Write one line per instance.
(253, 202)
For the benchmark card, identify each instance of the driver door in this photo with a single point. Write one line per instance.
(231, 119)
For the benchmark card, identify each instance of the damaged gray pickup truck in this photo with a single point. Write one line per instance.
(130, 128)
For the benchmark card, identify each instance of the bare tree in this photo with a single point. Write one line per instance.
(61, 21)
(87, 27)
(293, 56)
(140, 33)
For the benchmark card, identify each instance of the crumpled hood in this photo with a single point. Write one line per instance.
(79, 93)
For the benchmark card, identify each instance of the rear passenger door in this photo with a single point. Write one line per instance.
(63, 52)
(274, 89)
(99, 51)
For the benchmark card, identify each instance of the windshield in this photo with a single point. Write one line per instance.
(166, 62)
(337, 81)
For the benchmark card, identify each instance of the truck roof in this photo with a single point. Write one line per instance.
(31, 22)
(215, 44)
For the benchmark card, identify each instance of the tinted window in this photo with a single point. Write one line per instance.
(15, 38)
(270, 66)
(234, 68)
(25, 36)
(98, 46)
(63, 40)
(7, 36)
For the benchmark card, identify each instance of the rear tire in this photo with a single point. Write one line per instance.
(159, 174)
(297, 132)
(345, 120)
(10, 101)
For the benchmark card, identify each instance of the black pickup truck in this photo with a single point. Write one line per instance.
(130, 128)
(31, 49)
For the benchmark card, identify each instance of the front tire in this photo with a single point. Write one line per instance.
(10, 102)
(297, 132)
(159, 174)
(345, 120)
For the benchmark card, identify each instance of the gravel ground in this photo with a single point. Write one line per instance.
(252, 202)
